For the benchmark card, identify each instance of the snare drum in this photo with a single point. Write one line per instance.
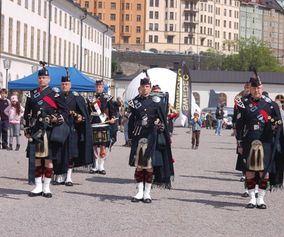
(101, 134)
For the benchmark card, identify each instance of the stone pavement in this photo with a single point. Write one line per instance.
(205, 199)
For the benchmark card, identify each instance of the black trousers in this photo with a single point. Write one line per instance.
(4, 125)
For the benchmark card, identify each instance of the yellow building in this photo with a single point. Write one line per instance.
(125, 17)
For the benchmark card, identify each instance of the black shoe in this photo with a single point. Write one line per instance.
(68, 184)
(245, 194)
(147, 200)
(262, 206)
(47, 195)
(58, 183)
(256, 195)
(134, 199)
(93, 171)
(31, 194)
(17, 147)
(102, 172)
(250, 206)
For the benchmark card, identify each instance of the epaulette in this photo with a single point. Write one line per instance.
(75, 93)
(28, 94)
(267, 99)
(56, 89)
(156, 99)
(130, 103)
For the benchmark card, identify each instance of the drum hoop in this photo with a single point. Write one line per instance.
(100, 125)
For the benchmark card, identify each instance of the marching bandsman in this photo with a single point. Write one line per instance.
(256, 124)
(150, 148)
(44, 110)
(102, 113)
(79, 143)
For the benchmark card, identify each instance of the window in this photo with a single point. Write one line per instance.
(32, 42)
(10, 37)
(45, 9)
(86, 4)
(113, 5)
(150, 38)
(33, 5)
(125, 39)
(54, 49)
(139, 7)
(156, 3)
(112, 17)
(39, 7)
(138, 29)
(171, 15)
(156, 15)
(112, 27)
(127, 7)
(100, 5)
(55, 15)
(27, 4)
(127, 17)
(19, 2)
(18, 37)
(44, 45)
(126, 29)
(171, 27)
(25, 40)
(151, 3)
(138, 18)
(156, 39)
(138, 40)
(170, 39)
(150, 26)
(172, 4)
(151, 15)
(156, 26)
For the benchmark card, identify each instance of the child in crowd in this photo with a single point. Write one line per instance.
(15, 112)
(196, 127)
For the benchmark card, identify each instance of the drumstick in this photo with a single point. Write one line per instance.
(107, 121)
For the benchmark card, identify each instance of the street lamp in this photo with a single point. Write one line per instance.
(7, 66)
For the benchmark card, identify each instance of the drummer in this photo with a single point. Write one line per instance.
(102, 114)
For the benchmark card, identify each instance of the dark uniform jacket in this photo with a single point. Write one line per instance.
(79, 143)
(39, 105)
(254, 121)
(144, 111)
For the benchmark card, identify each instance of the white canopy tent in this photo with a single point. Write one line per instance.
(166, 79)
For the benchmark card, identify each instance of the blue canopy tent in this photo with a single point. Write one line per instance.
(80, 82)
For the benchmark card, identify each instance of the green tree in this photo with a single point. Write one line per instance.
(253, 53)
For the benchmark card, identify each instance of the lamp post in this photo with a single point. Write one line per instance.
(7, 66)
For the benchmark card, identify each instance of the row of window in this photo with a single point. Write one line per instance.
(113, 5)
(65, 20)
(29, 42)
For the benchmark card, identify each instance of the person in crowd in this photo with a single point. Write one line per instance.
(44, 110)
(196, 123)
(102, 113)
(150, 142)
(257, 122)
(4, 119)
(219, 117)
(78, 150)
(14, 111)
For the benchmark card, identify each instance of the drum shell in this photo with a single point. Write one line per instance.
(101, 135)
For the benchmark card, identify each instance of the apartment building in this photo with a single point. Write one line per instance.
(58, 32)
(125, 17)
(266, 23)
(191, 26)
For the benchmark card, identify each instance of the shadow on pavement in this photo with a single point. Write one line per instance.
(5, 193)
(12, 178)
(215, 204)
(101, 179)
(102, 197)
(223, 148)
(206, 177)
(211, 192)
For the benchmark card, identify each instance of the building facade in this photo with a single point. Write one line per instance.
(58, 32)
(125, 17)
(191, 26)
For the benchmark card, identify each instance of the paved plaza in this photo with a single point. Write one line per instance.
(205, 199)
